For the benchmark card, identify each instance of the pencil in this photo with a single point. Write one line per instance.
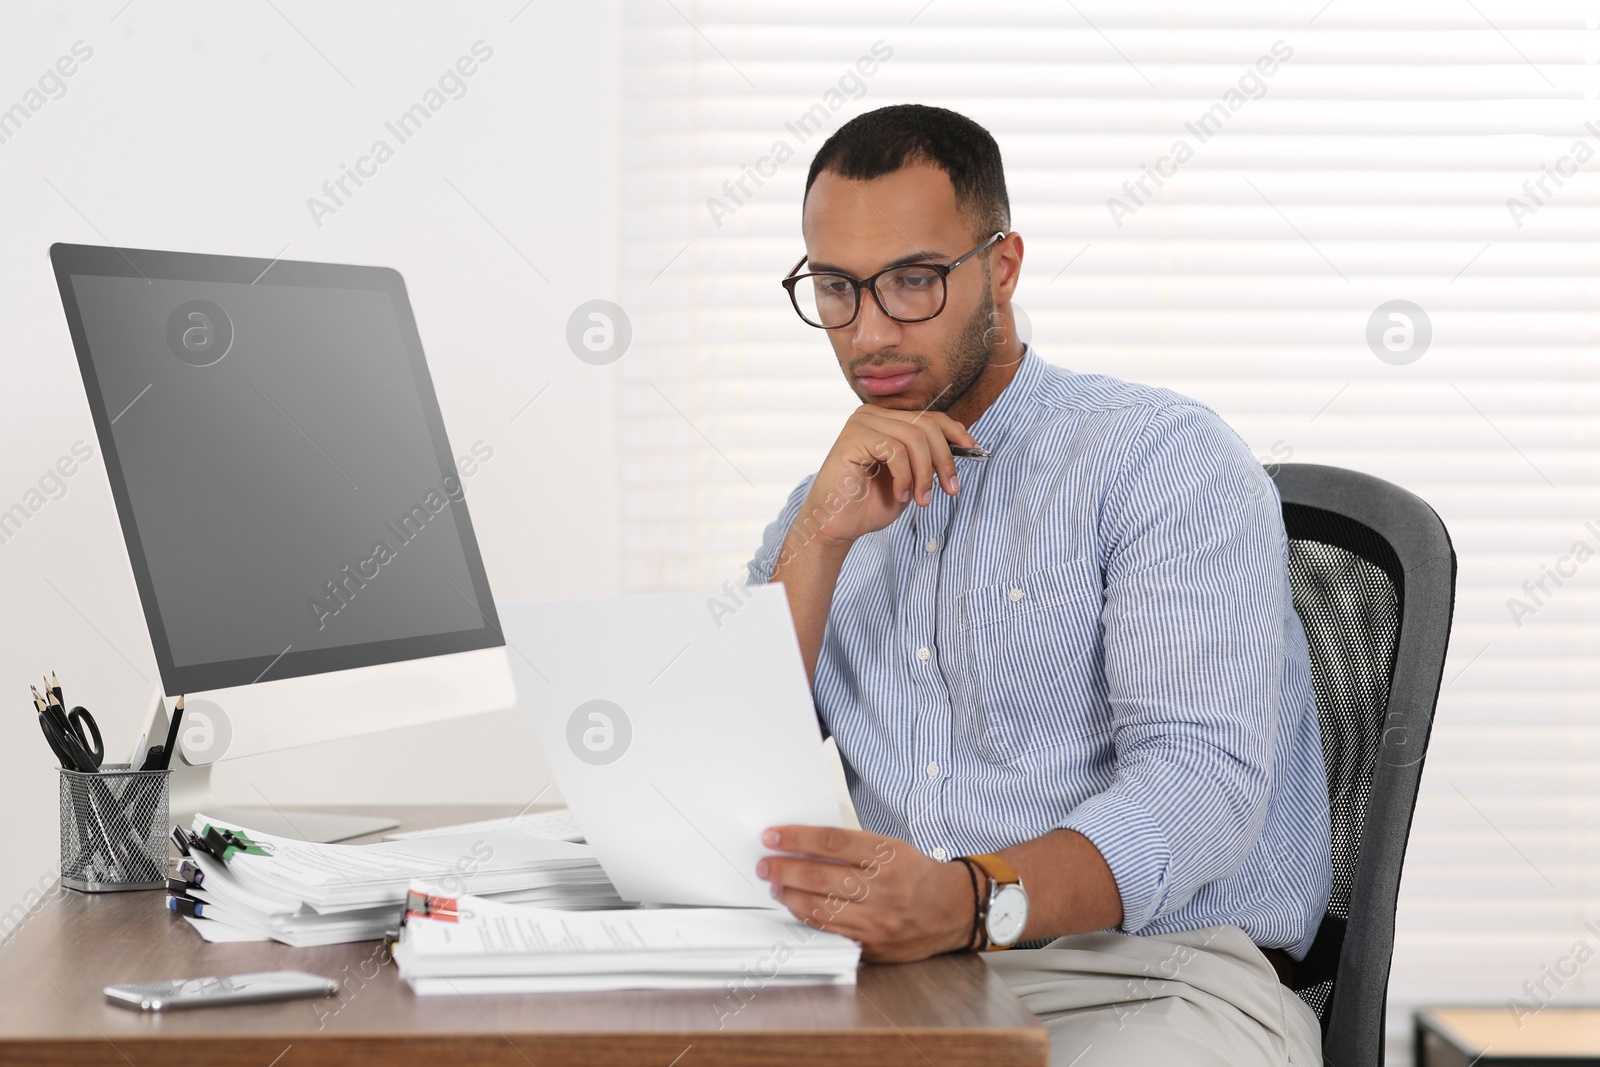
(172, 735)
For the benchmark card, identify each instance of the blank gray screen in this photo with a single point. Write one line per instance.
(295, 471)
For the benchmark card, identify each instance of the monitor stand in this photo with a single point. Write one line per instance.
(191, 793)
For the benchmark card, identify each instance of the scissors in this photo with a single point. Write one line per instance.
(77, 734)
(73, 729)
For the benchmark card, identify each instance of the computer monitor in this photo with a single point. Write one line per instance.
(293, 511)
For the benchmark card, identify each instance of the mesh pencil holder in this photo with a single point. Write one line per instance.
(114, 830)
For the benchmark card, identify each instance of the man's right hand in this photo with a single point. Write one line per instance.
(882, 461)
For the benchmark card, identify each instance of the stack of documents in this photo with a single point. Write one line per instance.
(472, 944)
(273, 888)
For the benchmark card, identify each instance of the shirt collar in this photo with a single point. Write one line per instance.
(1013, 399)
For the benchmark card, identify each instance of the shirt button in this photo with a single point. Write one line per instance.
(933, 770)
(940, 854)
(924, 653)
(931, 547)
(1015, 595)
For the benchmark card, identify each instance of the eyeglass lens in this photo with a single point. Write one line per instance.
(908, 294)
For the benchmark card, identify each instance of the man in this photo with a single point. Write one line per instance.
(1067, 681)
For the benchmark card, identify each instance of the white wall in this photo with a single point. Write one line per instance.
(205, 127)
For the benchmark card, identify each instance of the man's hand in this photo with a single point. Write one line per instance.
(882, 460)
(881, 891)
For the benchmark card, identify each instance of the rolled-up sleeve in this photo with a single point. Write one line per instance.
(1194, 561)
(759, 570)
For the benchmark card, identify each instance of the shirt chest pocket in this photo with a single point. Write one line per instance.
(1033, 675)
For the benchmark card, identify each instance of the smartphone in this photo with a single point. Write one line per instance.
(227, 989)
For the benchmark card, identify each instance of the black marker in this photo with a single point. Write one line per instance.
(186, 906)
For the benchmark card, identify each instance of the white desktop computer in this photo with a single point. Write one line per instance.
(293, 512)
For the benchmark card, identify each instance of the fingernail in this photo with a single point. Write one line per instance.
(955, 485)
(773, 889)
(770, 838)
(761, 869)
(905, 495)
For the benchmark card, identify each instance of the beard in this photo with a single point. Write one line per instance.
(968, 355)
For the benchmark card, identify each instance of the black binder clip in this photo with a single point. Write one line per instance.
(213, 842)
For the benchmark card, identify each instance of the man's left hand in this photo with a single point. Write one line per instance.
(883, 892)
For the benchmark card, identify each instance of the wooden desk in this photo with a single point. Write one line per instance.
(946, 1012)
(1494, 1037)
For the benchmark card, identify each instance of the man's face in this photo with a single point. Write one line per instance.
(910, 215)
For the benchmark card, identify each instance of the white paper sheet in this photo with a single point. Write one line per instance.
(511, 947)
(600, 983)
(718, 737)
(344, 876)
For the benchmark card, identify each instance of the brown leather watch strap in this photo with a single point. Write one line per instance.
(997, 868)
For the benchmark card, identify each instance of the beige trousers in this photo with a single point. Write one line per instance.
(1200, 997)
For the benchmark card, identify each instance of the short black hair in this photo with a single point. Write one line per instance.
(888, 138)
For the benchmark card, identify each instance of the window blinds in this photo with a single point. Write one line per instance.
(1362, 232)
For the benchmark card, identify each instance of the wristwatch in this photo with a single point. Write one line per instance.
(1003, 912)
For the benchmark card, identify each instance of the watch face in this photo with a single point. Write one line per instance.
(1008, 915)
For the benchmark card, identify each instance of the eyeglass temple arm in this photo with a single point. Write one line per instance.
(998, 235)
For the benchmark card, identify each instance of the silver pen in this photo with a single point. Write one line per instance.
(969, 453)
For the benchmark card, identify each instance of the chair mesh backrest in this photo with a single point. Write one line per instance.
(1347, 591)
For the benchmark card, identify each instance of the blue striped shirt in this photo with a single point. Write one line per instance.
(1096, 633)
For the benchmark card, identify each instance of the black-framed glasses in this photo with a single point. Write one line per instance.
(829, 300)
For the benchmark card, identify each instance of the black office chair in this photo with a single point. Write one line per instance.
(1374, 576)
